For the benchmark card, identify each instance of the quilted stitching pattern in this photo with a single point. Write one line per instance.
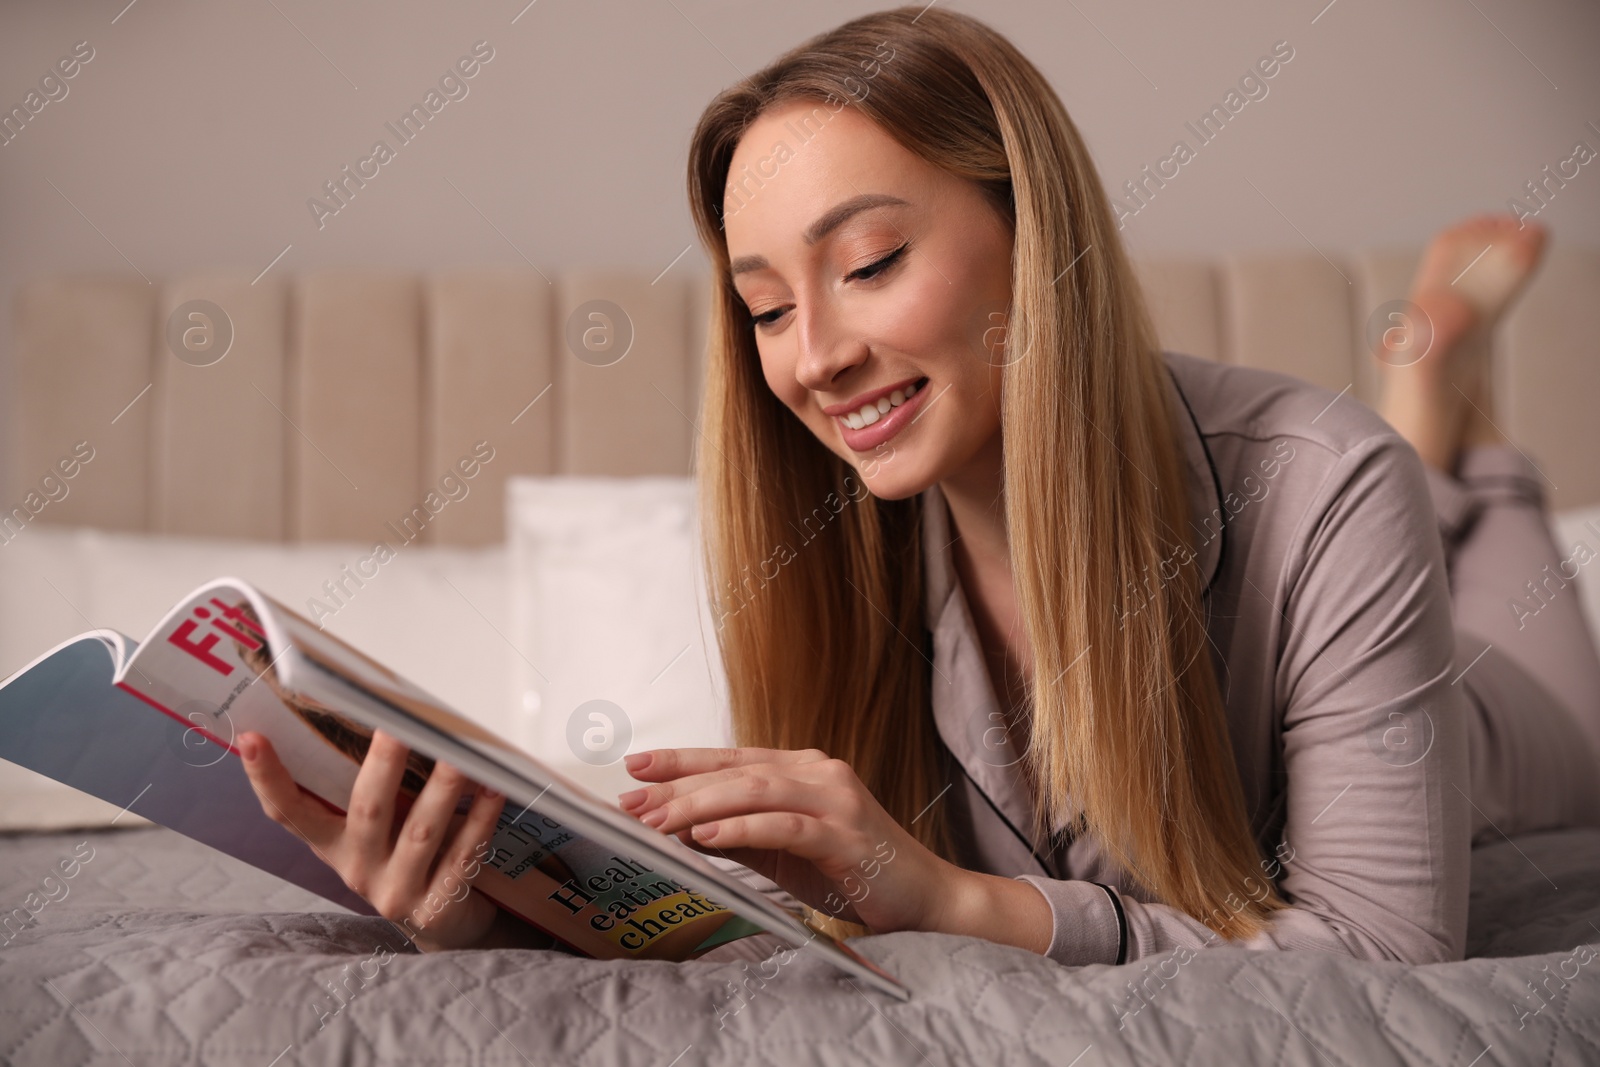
(166, 952)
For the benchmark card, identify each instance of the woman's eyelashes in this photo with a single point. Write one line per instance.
(867, 273)
(872, 270)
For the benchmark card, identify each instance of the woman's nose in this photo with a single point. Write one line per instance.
(828, 349)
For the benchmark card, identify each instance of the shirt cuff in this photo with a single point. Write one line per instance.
(1087, 923)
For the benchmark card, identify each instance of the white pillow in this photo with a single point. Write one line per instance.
(609, 588)
(599, 588)
(44, 593)
(609, 605)
(44, 600)
(438, 615)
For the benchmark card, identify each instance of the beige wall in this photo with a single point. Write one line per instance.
(198, 132)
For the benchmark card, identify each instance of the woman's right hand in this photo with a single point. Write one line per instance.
(394, 869)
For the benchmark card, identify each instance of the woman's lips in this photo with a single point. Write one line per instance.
(896, 419)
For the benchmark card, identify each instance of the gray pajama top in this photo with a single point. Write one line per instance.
(1330, 622)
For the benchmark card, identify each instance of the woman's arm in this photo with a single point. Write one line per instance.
(1374, 859)
(1375, 849)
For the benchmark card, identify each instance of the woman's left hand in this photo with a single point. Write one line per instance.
(800, 819)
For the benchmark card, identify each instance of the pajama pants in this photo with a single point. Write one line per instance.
(1526, 655)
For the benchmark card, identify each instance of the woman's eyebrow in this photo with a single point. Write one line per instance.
(830, 220)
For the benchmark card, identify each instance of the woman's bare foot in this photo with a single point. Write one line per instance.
(1469, 275)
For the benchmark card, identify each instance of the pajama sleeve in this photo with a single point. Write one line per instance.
(1375, 850)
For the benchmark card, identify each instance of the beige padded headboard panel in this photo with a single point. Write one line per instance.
(218, 466)
(348, 395)
(1292, 313)
(488, 362)
(82, 372)
(1553, 380)
(635, 416)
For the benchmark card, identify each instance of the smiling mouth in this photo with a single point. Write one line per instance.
(868, 414)
(874, 423)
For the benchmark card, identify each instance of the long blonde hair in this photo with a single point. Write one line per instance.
(817, 586)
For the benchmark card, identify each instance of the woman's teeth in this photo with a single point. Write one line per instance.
(871, 413)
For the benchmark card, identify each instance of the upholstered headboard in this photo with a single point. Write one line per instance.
(346, 397)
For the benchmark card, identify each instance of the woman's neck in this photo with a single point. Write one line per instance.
(982, 560)
(976, 495)
(978, 525)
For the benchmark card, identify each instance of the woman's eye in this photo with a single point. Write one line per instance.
(873, 269)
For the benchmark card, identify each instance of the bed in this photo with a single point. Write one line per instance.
(567, 572)
(164, 951)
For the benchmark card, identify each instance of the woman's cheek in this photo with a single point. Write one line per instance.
(778, 373)
(780, 378)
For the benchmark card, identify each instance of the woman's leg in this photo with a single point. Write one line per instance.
(1513, 586)
(1523, 648)
(1527, 657)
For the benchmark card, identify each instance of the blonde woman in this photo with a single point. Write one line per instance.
(1037, 633)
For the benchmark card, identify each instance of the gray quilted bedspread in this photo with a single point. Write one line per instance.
(164, 952)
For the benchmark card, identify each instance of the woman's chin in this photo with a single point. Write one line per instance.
(886, 483)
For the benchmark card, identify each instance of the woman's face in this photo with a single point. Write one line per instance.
(871, 274)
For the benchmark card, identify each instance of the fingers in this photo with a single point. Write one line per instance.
(744, 794)
(281, 799)
(461, 859)
(371, 811)
(426, 826)
(408, 890)
(754, 858)
(787, 831)
(661, 764)
(428, 905)
(639, 801)
(394, 877)
(480, 825)
(833, 772)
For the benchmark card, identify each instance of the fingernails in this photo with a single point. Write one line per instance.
(636, 761)
(491, 793)
(706, 831)
(248, 749)
(631, 798)
(654, 818)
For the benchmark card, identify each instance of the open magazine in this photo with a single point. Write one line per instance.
(150, 728)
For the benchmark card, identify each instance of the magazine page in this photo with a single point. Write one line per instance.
(62, 717)
(328, 670)
(218, 660)
(117, 646)
(229, 659)
(208, 664)
(593, 897)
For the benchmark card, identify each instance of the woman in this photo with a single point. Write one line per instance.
(1125, 652)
